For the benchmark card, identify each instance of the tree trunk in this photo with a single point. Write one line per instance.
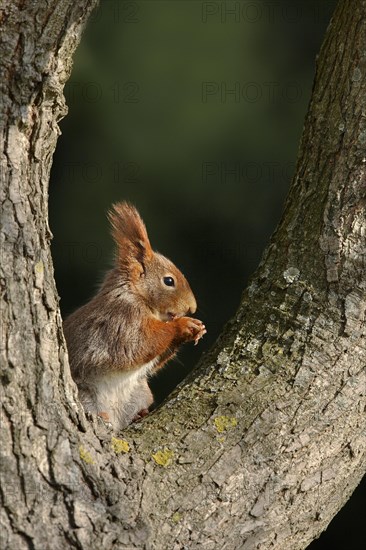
(266, 441)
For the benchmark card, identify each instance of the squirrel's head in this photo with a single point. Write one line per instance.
(151, 276)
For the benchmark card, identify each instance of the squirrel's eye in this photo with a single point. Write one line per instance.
(169, 281)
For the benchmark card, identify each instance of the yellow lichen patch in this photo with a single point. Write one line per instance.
(269, 349)
(163, 458)
(120, 445)
(39, 267)
(176, 517)
(85, 455)
(223, 423)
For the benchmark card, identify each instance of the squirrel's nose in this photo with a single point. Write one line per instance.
(192, 305)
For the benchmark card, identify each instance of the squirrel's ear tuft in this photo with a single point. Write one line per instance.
(129, 233)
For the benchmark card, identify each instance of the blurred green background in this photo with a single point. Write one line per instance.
(193, 111)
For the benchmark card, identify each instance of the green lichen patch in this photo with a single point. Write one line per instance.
(176, 517)
(120, 445)
(85, 455)
(223, 423)
(163, 457)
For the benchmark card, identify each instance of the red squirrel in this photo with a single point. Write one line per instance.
(131, 327)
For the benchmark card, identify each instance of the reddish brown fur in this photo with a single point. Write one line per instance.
(131, 327)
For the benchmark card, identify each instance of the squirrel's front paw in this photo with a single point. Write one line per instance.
(190, 329)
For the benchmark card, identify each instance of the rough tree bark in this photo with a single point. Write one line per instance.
(266, 441)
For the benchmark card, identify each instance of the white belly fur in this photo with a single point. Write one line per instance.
(114, 391)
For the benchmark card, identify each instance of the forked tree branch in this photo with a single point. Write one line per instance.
(266, 440)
